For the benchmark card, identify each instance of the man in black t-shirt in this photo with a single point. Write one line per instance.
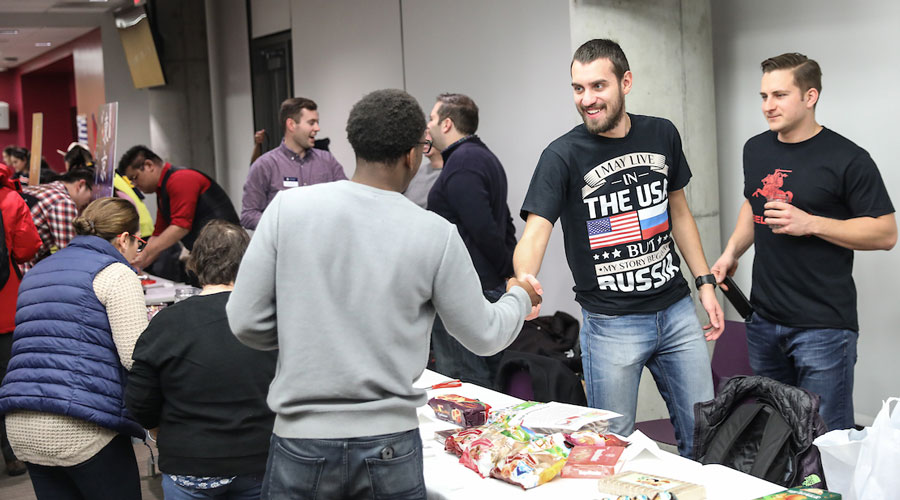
(617, 184)
(813, 197)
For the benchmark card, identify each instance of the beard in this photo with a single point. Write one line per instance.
(615, 111)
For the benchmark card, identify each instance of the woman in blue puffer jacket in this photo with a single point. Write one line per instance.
(80, 312)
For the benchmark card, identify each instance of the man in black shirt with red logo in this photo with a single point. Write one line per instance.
(813, 197)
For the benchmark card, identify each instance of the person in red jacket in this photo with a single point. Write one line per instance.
(22, 243)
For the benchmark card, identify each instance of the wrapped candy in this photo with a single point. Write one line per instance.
(536, 464)
(591, 438)
(493, 445)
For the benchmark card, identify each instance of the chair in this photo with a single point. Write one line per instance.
(729, 358)
(540, 378)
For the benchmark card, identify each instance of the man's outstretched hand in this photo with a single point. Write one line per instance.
(531, 285)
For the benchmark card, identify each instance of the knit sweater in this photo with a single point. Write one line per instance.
(471, 193)
(344, 279)
(204, 390)
(56, 440)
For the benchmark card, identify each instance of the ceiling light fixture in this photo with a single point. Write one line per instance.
(9, 32)
(43, 44)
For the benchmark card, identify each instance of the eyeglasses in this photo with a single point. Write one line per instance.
(427, 146)
(141, 242)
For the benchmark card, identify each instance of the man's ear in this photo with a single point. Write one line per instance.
(446, 125)
(812, 97)
(627, 81)
(410, 157)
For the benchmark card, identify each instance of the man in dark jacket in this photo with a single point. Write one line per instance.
(186, 200)
(470, 193)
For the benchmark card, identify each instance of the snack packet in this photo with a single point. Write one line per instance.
(534, 465)
(591, 438)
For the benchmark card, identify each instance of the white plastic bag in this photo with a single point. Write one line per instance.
(864, 464)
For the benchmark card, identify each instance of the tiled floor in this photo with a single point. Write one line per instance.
(19, 487)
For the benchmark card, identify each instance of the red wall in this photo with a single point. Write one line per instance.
(51, 92)
(39, 85)
(10, 94)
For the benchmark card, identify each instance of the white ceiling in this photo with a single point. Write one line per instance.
(51, 6)
(40, 24)
(22, 46)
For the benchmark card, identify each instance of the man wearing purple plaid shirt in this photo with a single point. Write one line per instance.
(292, 164)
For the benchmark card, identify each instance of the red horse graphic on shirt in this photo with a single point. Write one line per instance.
(772, 184)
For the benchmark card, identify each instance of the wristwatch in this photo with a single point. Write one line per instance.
(706, 279)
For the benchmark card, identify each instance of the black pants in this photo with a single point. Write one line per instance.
(5, 353)
(110, 474)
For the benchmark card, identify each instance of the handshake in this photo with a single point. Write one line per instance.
(531, 285)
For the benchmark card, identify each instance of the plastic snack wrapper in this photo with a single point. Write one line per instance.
(591, 438)
(536, 464)
(459, 442)
(493, 445)
(465, 412)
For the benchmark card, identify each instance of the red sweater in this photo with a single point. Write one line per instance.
(22, 242)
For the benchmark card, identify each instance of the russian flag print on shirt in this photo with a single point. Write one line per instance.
(627, 227)
(654, 220)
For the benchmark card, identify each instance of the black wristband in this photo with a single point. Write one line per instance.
(706, 279)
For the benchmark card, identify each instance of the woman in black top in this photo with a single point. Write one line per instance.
(204, 390)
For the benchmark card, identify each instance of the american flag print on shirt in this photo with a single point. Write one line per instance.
(615, 230)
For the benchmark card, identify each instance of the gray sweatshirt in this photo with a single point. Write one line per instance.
(344, 279)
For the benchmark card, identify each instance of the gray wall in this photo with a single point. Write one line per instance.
(343, 50)
(512, 57)
(269, 16)
(230, 92)
(485, 49)
(858, 46)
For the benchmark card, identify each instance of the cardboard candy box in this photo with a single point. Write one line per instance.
(802, 494)
(593, 461)
(462, 411)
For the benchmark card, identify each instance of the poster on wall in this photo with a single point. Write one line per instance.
(105, 150)
(82, 129)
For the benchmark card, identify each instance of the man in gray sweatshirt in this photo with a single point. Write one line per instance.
(344, 279)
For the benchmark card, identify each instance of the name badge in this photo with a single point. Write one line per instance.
(291, 182)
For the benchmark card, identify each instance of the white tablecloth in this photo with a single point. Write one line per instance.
(160, 292)
(446, 478)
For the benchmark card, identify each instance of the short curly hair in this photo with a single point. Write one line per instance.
(384, 125)
(217, 253)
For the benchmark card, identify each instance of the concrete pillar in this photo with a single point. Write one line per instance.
(180, 112)
(669, 48)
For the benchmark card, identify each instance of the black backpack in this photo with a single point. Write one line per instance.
(763, 428)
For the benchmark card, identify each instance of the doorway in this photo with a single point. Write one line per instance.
(273, 82)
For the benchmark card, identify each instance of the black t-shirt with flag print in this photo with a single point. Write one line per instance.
(612, 198)
(807, 282)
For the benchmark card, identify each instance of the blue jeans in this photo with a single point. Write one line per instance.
(455, 361)
(669, 342)
(820, 360)
(110, 474)
(244, 487)
(386, 466)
